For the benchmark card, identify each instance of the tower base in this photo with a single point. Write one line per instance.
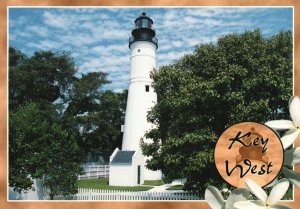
(127, 168)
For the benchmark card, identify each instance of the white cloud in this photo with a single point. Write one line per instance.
(23, 34)
(49, 44)
(205, 12)
(170, 24)
(44, 44)
(77, 39)
(171, 56)
(177, 43)
(212, 22)
(20, 21)
(164, 47)
(98, 37)
(12, 37)
(91, 63)
(114, 34)
(41, 31)
(121, 77)
(188, 20)
(111, 49)
(170, 15)
(119, 84)
(108, 64)
(87, 25)
(57, 21)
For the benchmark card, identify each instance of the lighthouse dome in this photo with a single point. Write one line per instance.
(143, 30)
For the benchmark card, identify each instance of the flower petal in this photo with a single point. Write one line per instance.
(289, 137)
(295, 110)
(253, 204)
(214, 198)
(292, 156)
(256, 190)
(236, 195)
(277, 206)
(292, 176)
(280, 124)
(273, 183)
(278, 191)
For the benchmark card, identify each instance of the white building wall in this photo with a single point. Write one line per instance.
(152, 175)
(139, 102)
(127, 174)
(138, 160)
(122, 175)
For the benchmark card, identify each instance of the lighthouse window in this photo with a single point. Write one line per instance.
(147, 88)
(145, 23)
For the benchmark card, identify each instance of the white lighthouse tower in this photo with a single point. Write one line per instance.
(129, 162)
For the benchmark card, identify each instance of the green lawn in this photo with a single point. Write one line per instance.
(154, 182)
(175, 187)
(103, 184)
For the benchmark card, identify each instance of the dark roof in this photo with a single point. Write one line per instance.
(123, 157)
(143, 16)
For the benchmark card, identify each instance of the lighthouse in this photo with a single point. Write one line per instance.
(141, 97)
(128, 165)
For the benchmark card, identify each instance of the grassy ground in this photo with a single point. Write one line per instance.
(175, 187)
(103, 184)
(154, 182)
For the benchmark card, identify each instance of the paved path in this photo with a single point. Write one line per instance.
(160, 188)
(164, 187)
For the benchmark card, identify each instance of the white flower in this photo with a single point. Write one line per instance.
(216, 201)
(292, 176)
(294, 126)
(264, 201)
(291, 158)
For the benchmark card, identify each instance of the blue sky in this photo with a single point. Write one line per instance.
(97, 38)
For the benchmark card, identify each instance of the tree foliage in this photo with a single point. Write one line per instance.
(102, 127)
(242, 77)
(56, 118)
(43, 78)
(85, 93)
(41, 149)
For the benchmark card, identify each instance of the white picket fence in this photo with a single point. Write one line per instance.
(95, 172)
(111, 195)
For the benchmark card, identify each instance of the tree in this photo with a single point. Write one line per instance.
(242, 77)
(107, 122)
(96, 115)
(43, 78)
(101, 129)
(25, 126)
(40, 149)
(86, 92)
(35, 83)
(61, 162)
(50, 108)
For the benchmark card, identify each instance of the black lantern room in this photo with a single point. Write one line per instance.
(143, 30)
